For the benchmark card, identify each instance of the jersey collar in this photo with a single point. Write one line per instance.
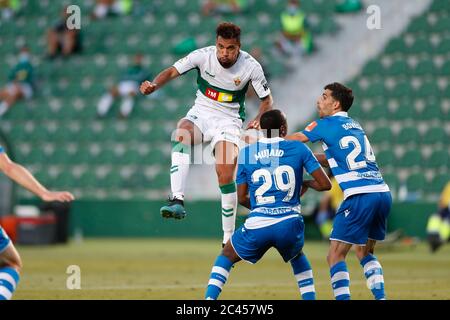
(271, 140)
(340, 114)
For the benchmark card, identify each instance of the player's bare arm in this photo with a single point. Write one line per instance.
(161, 79)
(322, 159)
(298, 136)
(265, 105)
(243, 196)
(321, 181)
(23, 177)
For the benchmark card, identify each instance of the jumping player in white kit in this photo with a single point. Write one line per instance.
(224, 74)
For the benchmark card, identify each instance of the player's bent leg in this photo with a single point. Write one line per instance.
(10, 266)
(304, 276)
(372, 269)
(186, 135)
(221, 271)
(340, 278)
(226, 154)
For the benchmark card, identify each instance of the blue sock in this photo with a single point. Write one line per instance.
(219, 275)
(8, 282)
(340, 281)
(304, 276)
(374, 275)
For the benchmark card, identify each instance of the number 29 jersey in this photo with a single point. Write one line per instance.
(349, 154)
(273, 171)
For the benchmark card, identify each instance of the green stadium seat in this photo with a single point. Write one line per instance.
(430, 112)
(408, 135)
(396, 45)
(381, 135)
(404, 112)
(444, 69)
(385, 158)
(420, 45)
(373, 67)
(443, 47)
(434, 135)
(416, 182)
(437, 184)
(428, 89)
(424, 67)
(438, 159)
(399, 67)
(403, 89)
(411, 158)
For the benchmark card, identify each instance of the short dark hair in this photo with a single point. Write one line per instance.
(342, 94)
(273, 120)
(228, 30)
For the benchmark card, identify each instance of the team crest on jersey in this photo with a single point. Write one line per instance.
(311, 126)
(237, 81)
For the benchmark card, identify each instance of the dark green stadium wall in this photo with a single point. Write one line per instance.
(142, 219)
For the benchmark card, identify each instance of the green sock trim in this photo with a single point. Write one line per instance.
(180, 147)
(228, 188)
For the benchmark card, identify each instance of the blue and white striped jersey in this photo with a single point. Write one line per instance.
(273, 171)
(349, 154)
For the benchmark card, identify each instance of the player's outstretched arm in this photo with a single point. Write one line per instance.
(298, 136)
(321, 181)
(243, 196)
(23, 177)
(265, 105)
(161, 79)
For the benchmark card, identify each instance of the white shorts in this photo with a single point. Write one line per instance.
(215, 126)
(127, 87)
(25, 89)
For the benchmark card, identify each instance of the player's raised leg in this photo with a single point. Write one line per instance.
(340, 278)
(187, 134)
(10, 265)
(226, 154)
(372, 269)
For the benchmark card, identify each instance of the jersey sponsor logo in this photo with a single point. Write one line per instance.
(311, 126)
(218, 96)
(237, 81)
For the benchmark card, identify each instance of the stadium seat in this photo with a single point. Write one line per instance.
(438, 159)
(385, 158)
(381, 135)
(411, 158)
(408, 135)
(434, 135)
(416, 182)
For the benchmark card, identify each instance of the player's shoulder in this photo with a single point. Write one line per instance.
(294, 145)
(249, 59)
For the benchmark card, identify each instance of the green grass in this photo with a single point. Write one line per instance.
(179, 269)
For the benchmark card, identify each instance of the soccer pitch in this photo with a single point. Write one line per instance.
(179, 269)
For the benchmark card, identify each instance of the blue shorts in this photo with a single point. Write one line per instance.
(4, 240)
(286, 236)
(361, 217)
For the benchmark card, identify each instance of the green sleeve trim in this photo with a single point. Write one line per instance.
(180, 147)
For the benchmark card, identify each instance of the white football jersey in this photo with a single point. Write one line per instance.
(224, 89)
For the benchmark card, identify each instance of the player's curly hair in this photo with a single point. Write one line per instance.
(342, 94)
(228, 30)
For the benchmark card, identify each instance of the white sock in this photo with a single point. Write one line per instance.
(127, 106)
(179, 169)
(229, 205)
(104, 104)
(3, 108)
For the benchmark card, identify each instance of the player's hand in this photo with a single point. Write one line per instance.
(62, 196)
(304, 189)
(254, 124)
(147, 87)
